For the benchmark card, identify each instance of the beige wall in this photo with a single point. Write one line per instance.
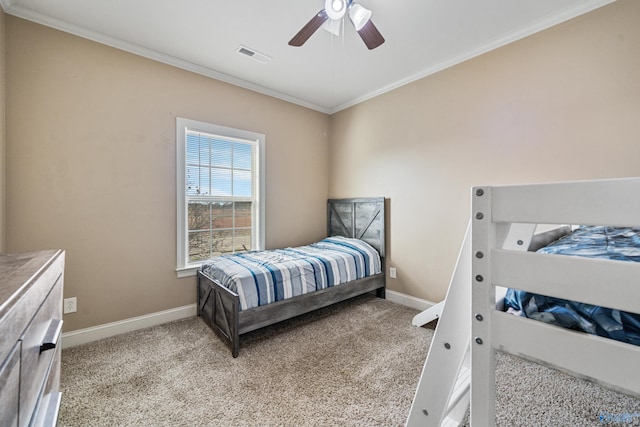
(90, 151)
(562, 104)
(91, 166)
(2, 133)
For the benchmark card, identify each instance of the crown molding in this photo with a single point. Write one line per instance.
(548, 22)
(29, 15)
(11, 8)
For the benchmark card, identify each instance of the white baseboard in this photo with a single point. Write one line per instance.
(83, 336)
(408, 300)
(94, 333)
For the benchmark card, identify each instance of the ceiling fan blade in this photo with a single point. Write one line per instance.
(370, 35)
(310, 28)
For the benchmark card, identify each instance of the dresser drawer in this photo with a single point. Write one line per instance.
(40, 341)
(10, 388)
(30, 328)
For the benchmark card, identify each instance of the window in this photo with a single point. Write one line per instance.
(220, 186)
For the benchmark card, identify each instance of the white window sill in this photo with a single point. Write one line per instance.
(189, 271)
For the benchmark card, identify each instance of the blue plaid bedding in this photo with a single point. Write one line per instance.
(621, 244)
(263, 277)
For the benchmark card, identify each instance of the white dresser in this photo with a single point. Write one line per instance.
(30, 328)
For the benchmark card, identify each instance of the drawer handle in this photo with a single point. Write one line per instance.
(52, 335)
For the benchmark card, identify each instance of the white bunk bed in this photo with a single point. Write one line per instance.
(462, 356)
(601, 282)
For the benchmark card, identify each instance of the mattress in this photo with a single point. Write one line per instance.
(264, 277)
(615, 243)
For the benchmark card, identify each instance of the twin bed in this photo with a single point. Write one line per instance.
(243, 292)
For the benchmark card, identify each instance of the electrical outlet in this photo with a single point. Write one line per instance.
(70, 305)
(392, 272)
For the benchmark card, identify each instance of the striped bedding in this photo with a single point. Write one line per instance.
(263, 277)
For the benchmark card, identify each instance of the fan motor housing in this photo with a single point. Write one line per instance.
(335, 8)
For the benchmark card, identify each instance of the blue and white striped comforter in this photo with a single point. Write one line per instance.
(263, 277)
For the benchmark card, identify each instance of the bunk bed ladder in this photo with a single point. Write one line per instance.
(443, 393)
(442, 396)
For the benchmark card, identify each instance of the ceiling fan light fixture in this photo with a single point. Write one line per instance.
(335, 8)
(359, 16)
(333, 12)
(332, 26)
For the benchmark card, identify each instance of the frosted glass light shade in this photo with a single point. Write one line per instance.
(359, 16)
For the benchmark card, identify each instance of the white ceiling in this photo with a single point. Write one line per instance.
(328, 73)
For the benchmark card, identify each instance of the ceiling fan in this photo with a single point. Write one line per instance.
(334, 10)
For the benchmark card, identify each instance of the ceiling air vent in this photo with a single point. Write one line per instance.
(254, 54)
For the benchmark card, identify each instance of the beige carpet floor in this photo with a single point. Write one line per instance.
(353, 364)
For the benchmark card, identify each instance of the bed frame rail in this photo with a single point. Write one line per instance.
(613, 202)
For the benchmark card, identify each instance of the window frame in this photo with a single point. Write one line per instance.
(183, 267)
